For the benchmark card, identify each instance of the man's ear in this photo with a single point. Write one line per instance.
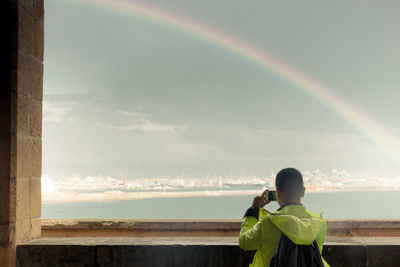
(304, 191)
(280, 194)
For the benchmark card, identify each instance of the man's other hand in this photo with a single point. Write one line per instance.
(261, 201)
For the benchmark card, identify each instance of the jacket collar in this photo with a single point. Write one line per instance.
(288, 204)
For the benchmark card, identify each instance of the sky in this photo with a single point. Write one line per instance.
(122, 93)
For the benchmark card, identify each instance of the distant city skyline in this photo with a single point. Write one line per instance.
(123, 93)
(94, 188)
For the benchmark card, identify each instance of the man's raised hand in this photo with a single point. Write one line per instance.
(262, 200)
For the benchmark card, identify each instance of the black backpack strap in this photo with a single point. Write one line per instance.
(317, 257)
(282, 253)
(289, 254)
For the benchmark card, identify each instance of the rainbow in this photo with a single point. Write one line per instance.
(371, 128)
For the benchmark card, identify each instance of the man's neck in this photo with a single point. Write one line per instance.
(295, 201)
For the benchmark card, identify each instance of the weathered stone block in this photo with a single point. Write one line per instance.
(23, 199)
(23, 115)
(169, 255)
(12, 212)
(23, 230)
(4, 203)
(38, 12)
(36, 198)
(384, 255)
(24, 81)
(35, 118)
(36, 160)
(25, 28)
(221, 255)
(4, 157)
(29, 157)
(67, 256)
(36, 228)
(4, 113)
(7, 255)
(37, 80)
(27, 5)
(4, 233)
(138, 256)
(30, 76)
(13, 113)
(39, 40)
(24, 157)
(343, 256)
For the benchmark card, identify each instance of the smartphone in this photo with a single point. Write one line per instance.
(271, 196)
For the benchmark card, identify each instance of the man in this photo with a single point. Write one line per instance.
(262, 230)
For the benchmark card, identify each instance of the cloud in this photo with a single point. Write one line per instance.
(283, 143)
(143, 127)
(56, 111)
(252, 146)
(141, 123)
(136, 115)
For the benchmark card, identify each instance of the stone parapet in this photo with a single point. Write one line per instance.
(193, 251)
(199, 228)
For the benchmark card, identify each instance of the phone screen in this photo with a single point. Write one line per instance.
(271, 196)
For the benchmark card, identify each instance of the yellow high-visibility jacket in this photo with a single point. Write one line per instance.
(301, 226)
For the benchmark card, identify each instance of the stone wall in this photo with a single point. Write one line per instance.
(20, 123)
(354, 243)
(211, 251)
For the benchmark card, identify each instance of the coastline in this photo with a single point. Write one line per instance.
(120, 195)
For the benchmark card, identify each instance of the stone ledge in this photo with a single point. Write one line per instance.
(364, 224)
(195, 224)
(195, 241)
(97, 224)
(133, 241)
(206, 228)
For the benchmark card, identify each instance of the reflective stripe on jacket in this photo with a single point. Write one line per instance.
(295, 221)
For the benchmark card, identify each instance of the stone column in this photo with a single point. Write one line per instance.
(21, 91)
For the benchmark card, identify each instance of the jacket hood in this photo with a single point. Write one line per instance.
(301, 230)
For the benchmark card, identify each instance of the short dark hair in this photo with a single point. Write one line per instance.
(289, 181)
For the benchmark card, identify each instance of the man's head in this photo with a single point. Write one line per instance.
(289, 186)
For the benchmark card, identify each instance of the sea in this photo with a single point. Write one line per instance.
(332, 205)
